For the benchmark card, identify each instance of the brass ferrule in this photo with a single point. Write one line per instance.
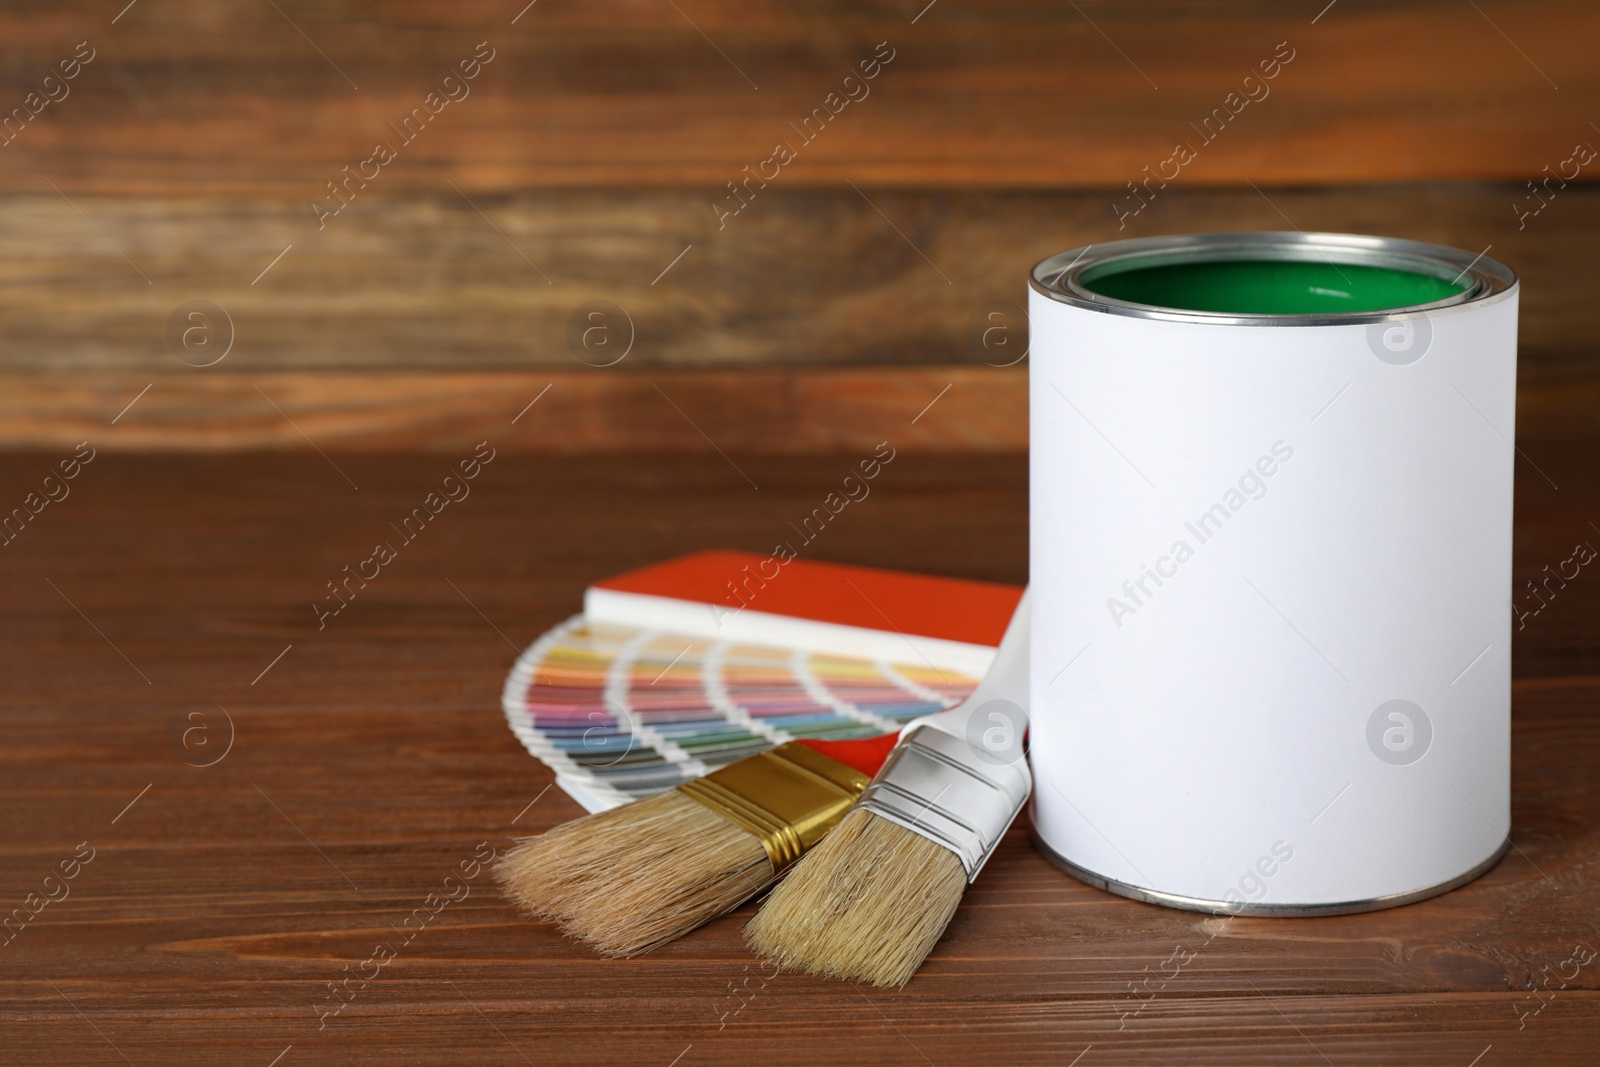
(786, 797)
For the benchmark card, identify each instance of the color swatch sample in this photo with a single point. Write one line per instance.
(622, 712)
(832, 607)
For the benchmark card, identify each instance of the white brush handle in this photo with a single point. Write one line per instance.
(959, 778)
(1007, 680)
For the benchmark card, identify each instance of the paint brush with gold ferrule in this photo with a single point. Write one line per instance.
(629, 880)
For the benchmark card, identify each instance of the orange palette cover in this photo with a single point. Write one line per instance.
(830, 607)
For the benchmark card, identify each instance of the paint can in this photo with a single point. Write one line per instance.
(1271, 491)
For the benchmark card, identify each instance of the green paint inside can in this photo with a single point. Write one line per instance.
(1268, 286)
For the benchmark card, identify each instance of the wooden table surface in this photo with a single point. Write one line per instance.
(265, 802)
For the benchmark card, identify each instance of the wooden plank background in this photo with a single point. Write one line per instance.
(821, 290)
(590, 162)
(817, 278)
(194, 97)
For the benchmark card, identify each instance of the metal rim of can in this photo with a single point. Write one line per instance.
(1061, 277)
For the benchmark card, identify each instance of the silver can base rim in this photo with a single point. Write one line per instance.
(1282, 911)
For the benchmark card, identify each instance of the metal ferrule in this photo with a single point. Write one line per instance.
(950, 792)
(786, 797)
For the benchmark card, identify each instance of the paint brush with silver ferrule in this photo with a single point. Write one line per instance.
(872, 900)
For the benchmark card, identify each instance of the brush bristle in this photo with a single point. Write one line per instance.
(868, 903)
(633, 878)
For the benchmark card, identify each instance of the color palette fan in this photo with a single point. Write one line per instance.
(622, 711)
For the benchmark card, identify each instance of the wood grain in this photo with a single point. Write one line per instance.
(763, 410)
(189, 97)
(217, 907)
(759, 411)
(803, 279)
(361, 763)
